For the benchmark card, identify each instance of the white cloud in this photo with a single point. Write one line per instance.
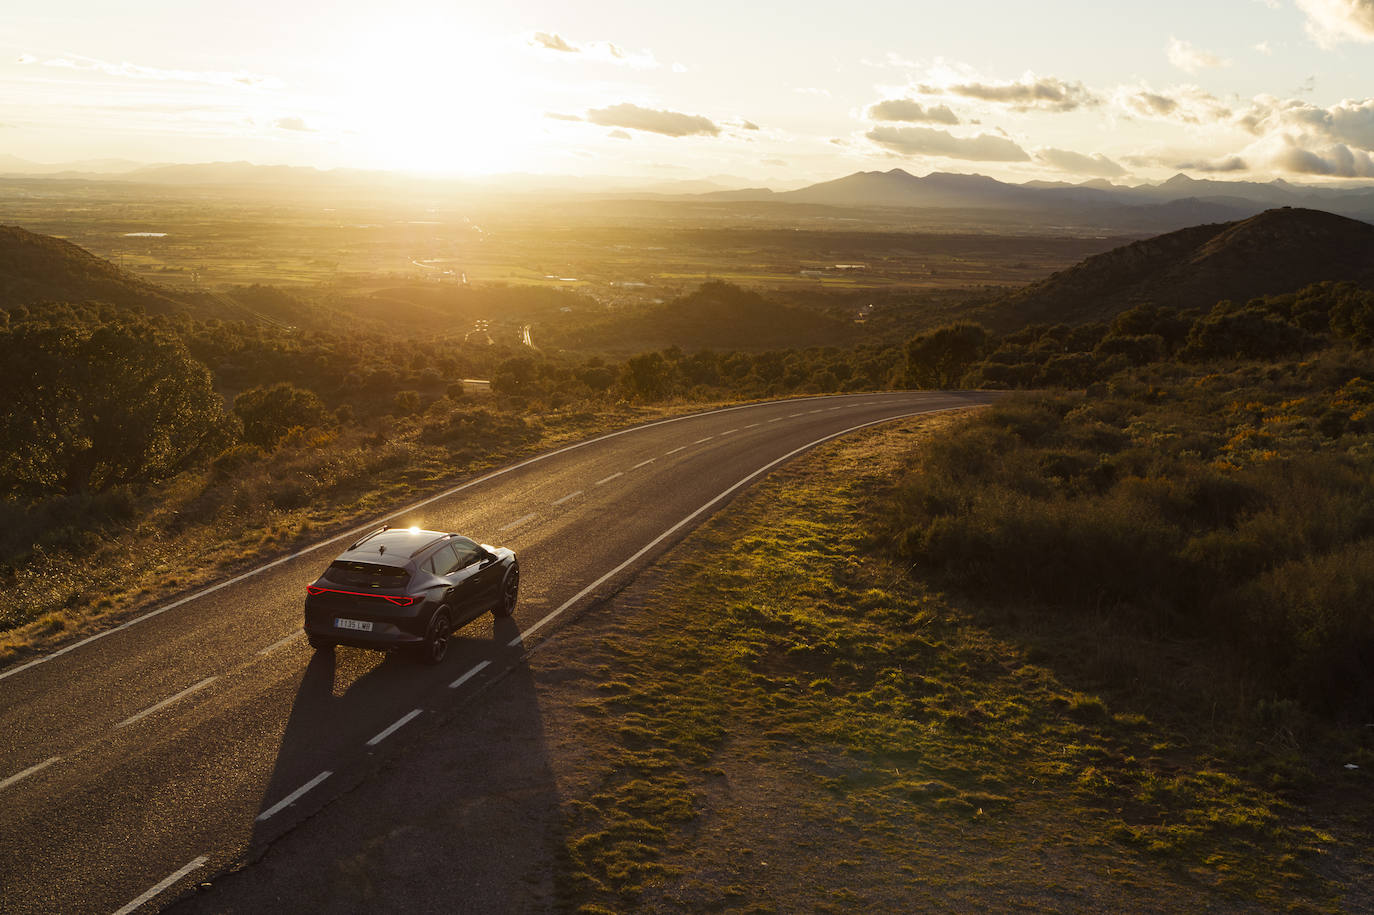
(1330, 22)
(138, 71)
(905, 109)
(599, 51)
(668, 123)
(812, 90)
(1264, 48)
(1096, 165)
(1031, 92)
(559, 116)
(619, 135)
(927, 141)
(1180, 104)
(1190, 59)
(292, 123)
(1350, 122)
(553, 42)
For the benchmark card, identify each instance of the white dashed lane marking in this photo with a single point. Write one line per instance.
(729, 432)
(675, 450)
(199, 862)
(394, 727)
(604, 480)
(571, 495)
(477, 669)
(294, 796)
(517, 522)
(643, 463)
(751, 425)
(281, 642)
(29, 771)
(778, 420)
(166, 702)
(700, 440)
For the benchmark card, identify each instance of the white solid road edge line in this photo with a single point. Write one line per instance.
(515, 642)
(476, 669)
(363, 528)
(166, 702)
(294, 796)
(29, 771)
(199, 862)
(395, 726)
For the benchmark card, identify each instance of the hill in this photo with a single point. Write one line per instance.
(1277, 251)
(717, 316)
(40, 268)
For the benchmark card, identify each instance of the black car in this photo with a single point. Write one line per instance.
(408, 588)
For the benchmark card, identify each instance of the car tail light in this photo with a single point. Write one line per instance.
(312, 589)
(402, 601)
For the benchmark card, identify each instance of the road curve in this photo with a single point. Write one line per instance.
(173, 745)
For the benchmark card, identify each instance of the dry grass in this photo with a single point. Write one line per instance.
(782, 720)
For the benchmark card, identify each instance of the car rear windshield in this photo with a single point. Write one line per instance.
(366, 575)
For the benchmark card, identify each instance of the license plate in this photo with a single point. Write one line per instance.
(360, 625)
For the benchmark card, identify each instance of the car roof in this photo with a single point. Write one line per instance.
(393, 546)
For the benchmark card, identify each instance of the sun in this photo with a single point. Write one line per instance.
(440, 103)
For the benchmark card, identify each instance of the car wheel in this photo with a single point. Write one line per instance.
(435, 646)
(319, 643)
(510, 592)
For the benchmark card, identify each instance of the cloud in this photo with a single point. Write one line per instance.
(1190, 59)
(599, 51)
(559, 116)
(1044, 93)
(776, 163)
(1183, 104)
(292, 124)
(1264, 48)
(1331, 22)
(1227, 164)
(679, 68)
(891, 60)
(1338, 161)
(138, 71)
(905, 109)
(553, 42)
(927, 141)
(812, 90)
(619, 135)
(668, 123)
(1097, 165)
(748, 125)
(1350, 122)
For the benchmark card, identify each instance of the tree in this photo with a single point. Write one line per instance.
(268, 413)
(87, 409)
(645, 376)
(940, 358)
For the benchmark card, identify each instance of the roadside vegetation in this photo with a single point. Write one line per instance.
(785, 718)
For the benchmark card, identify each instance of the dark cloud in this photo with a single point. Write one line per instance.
(1039, 93)
(1228, 164)
(911, 111)
(668, 123)
(927, 141)
(1337, 161)
(553, 42)
(1096, 165)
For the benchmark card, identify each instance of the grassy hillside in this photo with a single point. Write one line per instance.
(1276, 252)
(40, 268)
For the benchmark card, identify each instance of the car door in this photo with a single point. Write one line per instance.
(485, 572)
(457, 568)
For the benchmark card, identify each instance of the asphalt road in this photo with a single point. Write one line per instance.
(138, 762)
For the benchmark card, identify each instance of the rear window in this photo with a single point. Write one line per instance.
(366, 575)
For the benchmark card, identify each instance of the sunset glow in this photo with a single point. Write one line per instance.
(1070, 91)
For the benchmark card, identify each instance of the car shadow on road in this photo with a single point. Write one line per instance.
(461, 816)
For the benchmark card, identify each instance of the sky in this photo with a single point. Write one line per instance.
(763, 93)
